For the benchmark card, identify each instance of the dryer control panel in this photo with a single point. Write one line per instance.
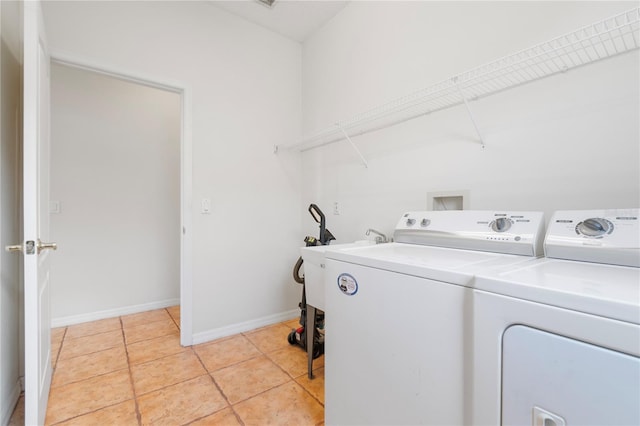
(602, 236)
(495, 231)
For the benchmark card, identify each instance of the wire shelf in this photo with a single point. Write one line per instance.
(592, 43)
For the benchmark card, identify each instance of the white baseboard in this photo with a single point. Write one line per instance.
(206, 336)
(111, 313)
(10, 404)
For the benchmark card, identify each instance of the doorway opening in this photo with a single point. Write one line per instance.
(121, 178)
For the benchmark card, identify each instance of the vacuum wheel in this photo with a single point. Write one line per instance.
(291, 338)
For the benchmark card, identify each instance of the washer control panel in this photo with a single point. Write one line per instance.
(502, 232)
(603, 236)
(501, 224)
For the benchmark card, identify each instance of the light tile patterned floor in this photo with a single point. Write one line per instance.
(132, 371)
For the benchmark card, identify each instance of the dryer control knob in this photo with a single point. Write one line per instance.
(411, 222)
(425, 222)
(594, 227)
(501, 224)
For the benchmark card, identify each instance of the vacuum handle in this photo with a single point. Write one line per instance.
(318, 216)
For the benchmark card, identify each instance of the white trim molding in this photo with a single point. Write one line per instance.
(9, 405)
(217, 333)
(112, 313)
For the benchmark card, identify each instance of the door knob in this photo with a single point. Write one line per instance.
(41, 246)
(14, 248)
(46, 246)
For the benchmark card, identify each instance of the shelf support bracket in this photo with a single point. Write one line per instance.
(471, 116)
(353, 145)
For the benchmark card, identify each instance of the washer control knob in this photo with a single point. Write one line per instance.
(425, 222)
(501, 224)
(594, 227)
(411, 222)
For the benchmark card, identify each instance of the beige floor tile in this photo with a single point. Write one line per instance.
(123, 414)
(92, 385)
(68, 401)
(174, 312)
(148, 350)
(224, 417)
(292, 324)
(144, 318)
(148, 331)
(288, 404)
(292, 359)
(182, 403)
(17, 418)
(269, 339)
(249, 378)
(83, 367)
(93, 327)
(89, 344)
(223, 353)
(166, 371)
(314, 386)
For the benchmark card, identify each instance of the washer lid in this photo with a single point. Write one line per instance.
(606, 290)
(436, 263)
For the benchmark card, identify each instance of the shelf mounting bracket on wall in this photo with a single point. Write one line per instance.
(471, 116)
(353, 145)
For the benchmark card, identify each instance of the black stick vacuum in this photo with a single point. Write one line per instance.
(298, 336)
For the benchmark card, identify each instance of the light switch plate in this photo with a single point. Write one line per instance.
(205, 206)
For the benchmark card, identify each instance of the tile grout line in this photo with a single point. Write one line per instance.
(172, 318)
(82, 337)
(266, 354)
(292, 379)
(210, 374)
(64, 334)
(133, 388)
(78, 381)
(88, 378)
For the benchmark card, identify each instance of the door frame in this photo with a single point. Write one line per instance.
(186, 171)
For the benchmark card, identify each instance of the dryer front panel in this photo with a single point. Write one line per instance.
(548, 379)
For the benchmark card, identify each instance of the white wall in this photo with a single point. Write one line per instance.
(10, 289)
(568, 142)
(245, 82)
(115, 173)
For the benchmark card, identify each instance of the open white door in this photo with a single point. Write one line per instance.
(37, 321)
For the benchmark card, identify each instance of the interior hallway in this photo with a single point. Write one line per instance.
(131, 370)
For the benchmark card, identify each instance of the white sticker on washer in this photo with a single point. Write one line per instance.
(347, 284)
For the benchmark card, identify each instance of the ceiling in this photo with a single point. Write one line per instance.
(295, 19)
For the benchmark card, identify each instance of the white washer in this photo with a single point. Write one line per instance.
(399, 318)
(557, 341)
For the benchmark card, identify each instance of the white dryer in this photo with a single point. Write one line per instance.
(399, 315)
(557, 340)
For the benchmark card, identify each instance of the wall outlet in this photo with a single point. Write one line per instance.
(54, 206)
(336, 208)
(205, 206)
